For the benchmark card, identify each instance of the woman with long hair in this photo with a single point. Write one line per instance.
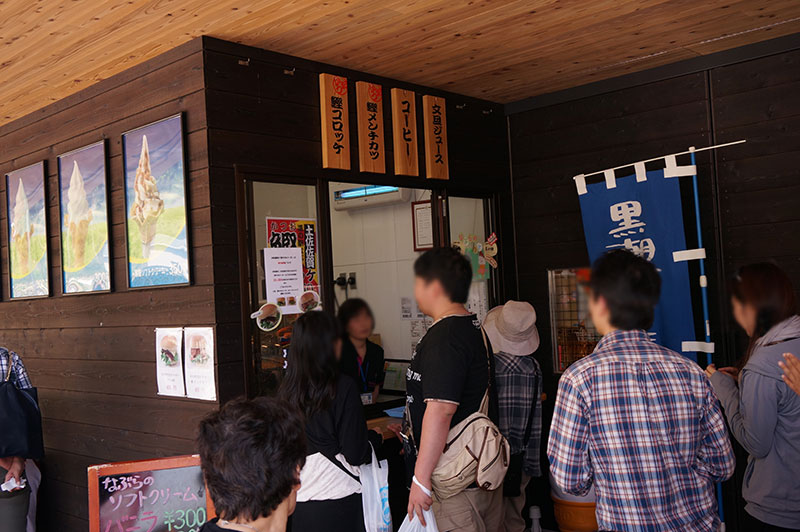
(329, 499)
(361, 359)
(762, 412)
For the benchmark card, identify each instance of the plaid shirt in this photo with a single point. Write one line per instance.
(519, 388)
(18, 373)
(642, 423)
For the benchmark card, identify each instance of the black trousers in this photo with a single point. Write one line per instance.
(751, 524)
(340, 515)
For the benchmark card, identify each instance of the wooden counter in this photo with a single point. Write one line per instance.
(381, 425)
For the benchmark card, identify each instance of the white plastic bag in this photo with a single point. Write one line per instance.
(415, 525)
(375, 495)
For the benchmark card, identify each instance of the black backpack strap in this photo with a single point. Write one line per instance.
(338, 464)
(529, 426)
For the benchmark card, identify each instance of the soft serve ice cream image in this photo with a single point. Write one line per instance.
(148, 205)
(22, 230)
(78, 218)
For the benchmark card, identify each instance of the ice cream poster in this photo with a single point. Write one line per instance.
(199, 363)
(27, 231)
(85, 263)
(155, 201)
(169, 362)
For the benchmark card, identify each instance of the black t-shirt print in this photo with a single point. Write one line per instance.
(450, 364)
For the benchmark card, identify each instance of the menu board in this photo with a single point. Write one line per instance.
(163, 495)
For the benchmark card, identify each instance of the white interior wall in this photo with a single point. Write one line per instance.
(376, 244)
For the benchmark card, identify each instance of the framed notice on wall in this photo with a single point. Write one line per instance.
(422, 221)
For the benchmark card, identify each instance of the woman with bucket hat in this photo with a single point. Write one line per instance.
(511, 328)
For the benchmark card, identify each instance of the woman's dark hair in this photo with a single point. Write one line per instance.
(249, 453)
(448, 266)
(766, 288)
(630, 286)
(312, 368)
(350, 309)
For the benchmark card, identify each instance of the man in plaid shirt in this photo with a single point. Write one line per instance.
(636, 420)
(18, 374)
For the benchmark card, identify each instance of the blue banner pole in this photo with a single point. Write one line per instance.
(704, 292)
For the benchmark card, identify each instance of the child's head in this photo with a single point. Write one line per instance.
(442, 276)
(624, 289)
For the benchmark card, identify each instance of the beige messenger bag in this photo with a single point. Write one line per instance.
(475, 452)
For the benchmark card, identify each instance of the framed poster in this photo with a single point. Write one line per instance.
(83, 200)
(155, 205)
(27, 230)
(422, 220)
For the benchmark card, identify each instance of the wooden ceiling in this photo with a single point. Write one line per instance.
(501, 50)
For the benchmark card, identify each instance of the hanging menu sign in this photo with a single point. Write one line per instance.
(335, 128)
(162, 495)
(371, 150)
(433, 112)
(404, 132)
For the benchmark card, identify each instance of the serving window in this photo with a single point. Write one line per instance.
(310, 243)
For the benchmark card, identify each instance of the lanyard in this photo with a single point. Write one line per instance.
(363, 372)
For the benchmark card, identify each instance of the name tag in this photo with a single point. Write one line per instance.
(366, 398)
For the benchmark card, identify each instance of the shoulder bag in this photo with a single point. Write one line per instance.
(20, 419)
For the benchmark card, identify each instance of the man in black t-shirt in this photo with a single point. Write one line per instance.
(445, 383)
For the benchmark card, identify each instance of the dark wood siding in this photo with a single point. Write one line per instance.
(91, 356)
(748, 194)
(263, 110)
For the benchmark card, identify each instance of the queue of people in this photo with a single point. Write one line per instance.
(642, 426)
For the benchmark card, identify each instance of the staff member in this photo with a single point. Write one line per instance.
(361, 359)
(14, 504)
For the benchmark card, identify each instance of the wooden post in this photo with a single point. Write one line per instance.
(435, 119)
(404, 131)
(371, 144)
(335, 124)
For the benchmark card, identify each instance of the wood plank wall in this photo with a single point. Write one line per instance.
(748, 194)
(263, 110)
(91, 356)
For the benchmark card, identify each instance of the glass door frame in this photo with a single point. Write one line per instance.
(246, 175)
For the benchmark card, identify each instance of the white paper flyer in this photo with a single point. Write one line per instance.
(283, 269)
(169, 362)
(199, 363)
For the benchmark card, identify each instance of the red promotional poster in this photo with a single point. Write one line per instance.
(297, 233)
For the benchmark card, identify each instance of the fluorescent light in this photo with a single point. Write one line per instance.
(362, 192)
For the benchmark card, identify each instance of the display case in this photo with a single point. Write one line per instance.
(573, 333)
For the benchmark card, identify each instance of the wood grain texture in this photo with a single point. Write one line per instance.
(404, 128)
(748, 194)
(371, 137)
(434, 117)
(503, 51)
(335, 119)
(92, 356)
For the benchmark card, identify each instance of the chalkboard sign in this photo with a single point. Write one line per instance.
(163, 495)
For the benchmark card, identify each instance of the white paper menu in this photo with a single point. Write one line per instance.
(169, 362)
(199, 363)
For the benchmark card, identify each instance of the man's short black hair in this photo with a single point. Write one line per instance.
(448, 266)
(249, 452)
(631, 287)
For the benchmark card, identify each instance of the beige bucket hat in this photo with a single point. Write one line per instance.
(512, 328)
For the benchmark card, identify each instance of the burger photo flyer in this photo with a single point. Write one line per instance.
(169, 362)
(199, 363)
